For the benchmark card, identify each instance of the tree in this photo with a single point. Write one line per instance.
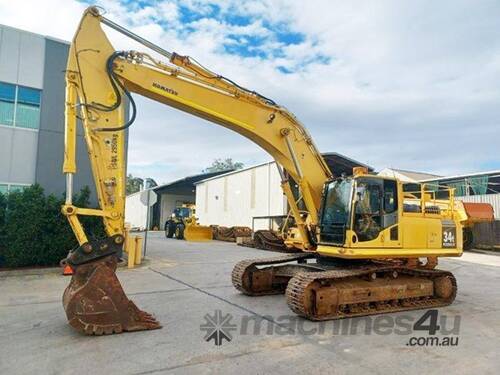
(34, 232)
(219, 165)
(134, 184)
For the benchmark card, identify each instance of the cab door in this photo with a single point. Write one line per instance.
(375, 213)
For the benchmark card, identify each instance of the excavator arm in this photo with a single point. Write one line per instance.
(99, 78)
(99, 83)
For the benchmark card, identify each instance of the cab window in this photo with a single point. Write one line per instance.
(376, 207)
(367, 211)
(390, 196)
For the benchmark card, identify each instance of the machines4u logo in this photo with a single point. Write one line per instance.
(218, 327)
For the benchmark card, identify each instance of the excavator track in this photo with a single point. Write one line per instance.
(230, 234)
(252, 281)
(325, 291)
(268, 240)
(368, 290)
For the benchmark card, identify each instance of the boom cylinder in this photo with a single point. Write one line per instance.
(69, 165)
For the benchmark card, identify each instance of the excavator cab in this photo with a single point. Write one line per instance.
(369, 216)
(365, 205)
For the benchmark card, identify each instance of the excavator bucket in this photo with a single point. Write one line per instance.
(96, 304)
(197, 233)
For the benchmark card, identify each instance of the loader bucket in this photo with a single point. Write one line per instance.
(96, 304)
(197, 233)
(479, 212)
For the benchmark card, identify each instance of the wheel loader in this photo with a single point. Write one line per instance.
(369, 244)
(183, 225)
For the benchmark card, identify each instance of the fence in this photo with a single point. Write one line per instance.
(487, 235)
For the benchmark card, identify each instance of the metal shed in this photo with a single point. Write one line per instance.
(235, 198)
(169, 195)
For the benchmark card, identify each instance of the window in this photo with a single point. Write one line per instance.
(390, 196)
(412, 189)
(19, 106)
(10, 188)
(335, 212)
(28, 108)
(7, 100)
(14, 188)
(368, 212)
(182, 212)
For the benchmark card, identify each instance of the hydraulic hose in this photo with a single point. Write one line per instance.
(116, 85)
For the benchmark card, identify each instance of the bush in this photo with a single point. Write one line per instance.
(3, 205)
(34, 232)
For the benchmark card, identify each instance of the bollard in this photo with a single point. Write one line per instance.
(138, 249)
(131, 251)
(133, 248)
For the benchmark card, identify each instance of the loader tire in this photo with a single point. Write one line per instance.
(179, 231)
(169, 229)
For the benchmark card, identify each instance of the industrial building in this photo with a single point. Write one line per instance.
(253, 196)
(482, 187)
(32, 93)
(406, 175)
(248, 197)
(169, 196)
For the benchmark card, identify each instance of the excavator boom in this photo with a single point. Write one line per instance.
(99, 80)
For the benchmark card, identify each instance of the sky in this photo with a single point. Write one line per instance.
(404, 84)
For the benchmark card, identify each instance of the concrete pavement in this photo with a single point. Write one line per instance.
(182, 282)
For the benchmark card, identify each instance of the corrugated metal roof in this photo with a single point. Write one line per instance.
(224, 174)
(339, 157)
(183, 182)
(494, 172)
(186, 182)
(337, 163)
(414, 175)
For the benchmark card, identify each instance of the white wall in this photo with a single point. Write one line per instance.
(135, 211)
(18, 150)
(22, 56)
(235, 198)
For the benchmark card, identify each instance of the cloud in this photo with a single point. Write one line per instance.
(411, 85)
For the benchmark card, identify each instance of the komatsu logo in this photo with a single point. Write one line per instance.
(166, 89)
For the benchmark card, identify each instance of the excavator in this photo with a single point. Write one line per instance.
(369, 244)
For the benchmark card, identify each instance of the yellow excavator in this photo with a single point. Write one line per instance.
(369, 244)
